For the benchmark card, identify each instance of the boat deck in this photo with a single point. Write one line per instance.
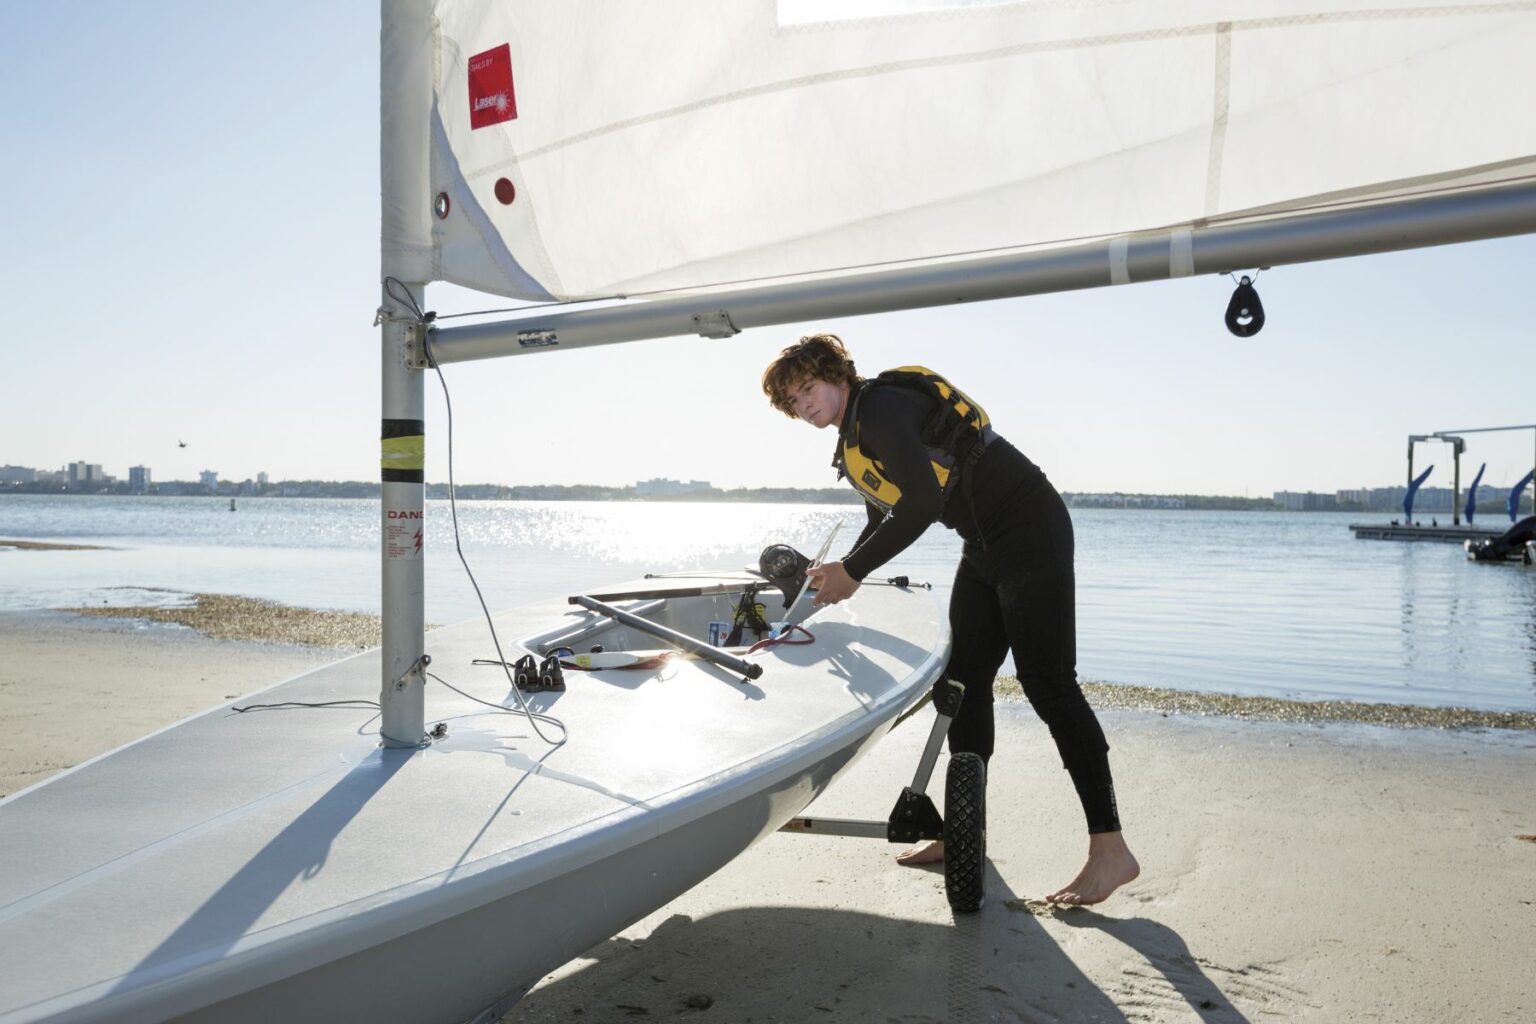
(236, 849)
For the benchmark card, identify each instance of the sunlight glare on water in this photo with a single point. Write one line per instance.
(650, 533)
(1266, 603)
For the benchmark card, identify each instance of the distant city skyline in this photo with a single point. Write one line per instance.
(1382, 498)
(654, 485)
(206, 271)
(82, 472)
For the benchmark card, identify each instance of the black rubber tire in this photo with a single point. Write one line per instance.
(965, 833)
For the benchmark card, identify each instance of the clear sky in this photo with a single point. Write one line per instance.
(190, 247)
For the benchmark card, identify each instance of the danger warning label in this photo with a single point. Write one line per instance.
(402, 532)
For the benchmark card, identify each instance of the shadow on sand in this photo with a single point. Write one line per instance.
(803, 964)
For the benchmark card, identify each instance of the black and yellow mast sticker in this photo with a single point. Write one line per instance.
(403, 451)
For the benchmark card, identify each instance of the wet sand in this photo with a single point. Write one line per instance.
(1108, 696)
(1304, 868)
(38, 545)
(226, 617)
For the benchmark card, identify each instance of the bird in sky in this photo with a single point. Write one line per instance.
(181, 444)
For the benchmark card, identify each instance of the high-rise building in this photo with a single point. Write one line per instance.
(17, 475)
(261, 479)
(664, 487)
(209, 479)
(138, 479)
(84, 473)
(1306, 501)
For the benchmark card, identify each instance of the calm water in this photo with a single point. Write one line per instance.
(1276, 604)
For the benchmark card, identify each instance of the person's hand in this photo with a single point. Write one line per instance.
(832, 583)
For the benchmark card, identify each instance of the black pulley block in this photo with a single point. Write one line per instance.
(1245, 313)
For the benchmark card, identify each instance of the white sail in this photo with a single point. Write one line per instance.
(588, 148)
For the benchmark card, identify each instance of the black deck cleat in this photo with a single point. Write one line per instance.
(551, 675)
(526, 673)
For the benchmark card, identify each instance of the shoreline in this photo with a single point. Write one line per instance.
(132, 670)
(1169, 702)
(230, 618)
(249, 619)
(39, 545)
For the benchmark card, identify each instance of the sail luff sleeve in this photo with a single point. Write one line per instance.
(406, 42)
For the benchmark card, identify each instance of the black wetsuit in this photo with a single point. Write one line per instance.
(1014, 588)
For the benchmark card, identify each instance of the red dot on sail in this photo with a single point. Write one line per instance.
(505, 193)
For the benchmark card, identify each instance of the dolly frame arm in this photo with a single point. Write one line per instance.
(914, 816)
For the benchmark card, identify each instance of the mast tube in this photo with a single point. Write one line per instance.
(405, 108)
(402, 521)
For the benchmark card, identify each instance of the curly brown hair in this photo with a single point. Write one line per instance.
(819, 356)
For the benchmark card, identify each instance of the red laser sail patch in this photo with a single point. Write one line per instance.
(491, 100)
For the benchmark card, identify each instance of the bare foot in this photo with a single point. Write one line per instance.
(1110, 865)
(933, 853)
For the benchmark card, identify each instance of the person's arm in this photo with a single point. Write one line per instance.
(875, 515)
(890, 425)
(833, 584)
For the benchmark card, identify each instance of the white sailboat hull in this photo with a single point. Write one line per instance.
(281, 865)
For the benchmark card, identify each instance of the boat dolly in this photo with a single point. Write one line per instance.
(963, 828)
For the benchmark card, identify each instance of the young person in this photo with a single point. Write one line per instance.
(919, 451)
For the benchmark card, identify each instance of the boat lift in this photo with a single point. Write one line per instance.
(1458, 445)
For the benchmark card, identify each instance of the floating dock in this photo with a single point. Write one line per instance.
(1397, 531)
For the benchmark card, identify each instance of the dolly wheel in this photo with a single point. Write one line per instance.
(965, 832)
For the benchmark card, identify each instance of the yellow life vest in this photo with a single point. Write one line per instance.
(955, 435)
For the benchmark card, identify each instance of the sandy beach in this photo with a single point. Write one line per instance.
(1319, 873)
(1292, 869)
